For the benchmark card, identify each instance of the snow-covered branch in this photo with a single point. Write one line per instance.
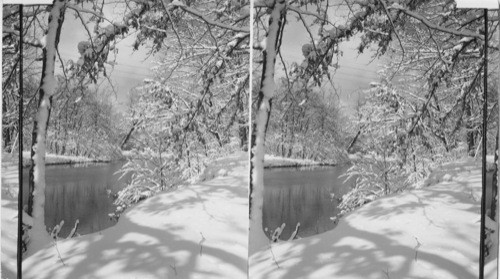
(34, 42)
(434, 26)
(207, 19)
(88, 11)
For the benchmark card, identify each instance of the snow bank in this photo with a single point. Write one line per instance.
(271, 161)
(54, 159)
(217, 168)
(448, 171)
(427, 233)
(198, 231)
(10, 190)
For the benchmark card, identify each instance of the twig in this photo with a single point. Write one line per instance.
(57, 249)
(174, 27)
(208, 20)
(308, 31)
(201, 243)
(430, 24)
(397, 37)
(416, 247)
(274, 258)
(386, 272)
(174, 268)
(302, 12)
(73, 231)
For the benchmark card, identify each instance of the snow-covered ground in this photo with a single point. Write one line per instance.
(427, 233)
(9, 216)
(197, 231)
(201, 231)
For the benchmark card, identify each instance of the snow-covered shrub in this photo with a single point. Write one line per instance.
(193, 109)
(397, 151)
(375, 176)
(381, 167)
(157, 168)
(151, 171)
(389, 159)
(176, 136)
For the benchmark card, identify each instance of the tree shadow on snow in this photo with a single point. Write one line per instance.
(153, 241)
(378, 241)
(376, 257)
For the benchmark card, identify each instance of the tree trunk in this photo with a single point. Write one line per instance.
(129, 134)
(243, 133)
(494, 186)
(267, 89)
(7, 132)
(39, 236)
(470, 132)
(353, 142)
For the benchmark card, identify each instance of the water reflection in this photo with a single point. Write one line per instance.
(309, 196)
(79, 192)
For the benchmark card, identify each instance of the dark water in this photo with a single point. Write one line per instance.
(309, 196)
(79, 192)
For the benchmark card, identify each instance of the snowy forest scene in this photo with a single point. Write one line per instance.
(134, 137)
(250, 139)
(378, 107)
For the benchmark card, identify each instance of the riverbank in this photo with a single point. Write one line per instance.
(431, 232)
(272, 161)
(196, 231)
(54, 159)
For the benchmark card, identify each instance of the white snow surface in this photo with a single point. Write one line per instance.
(197, 231)
(431, 232)
(10, 190)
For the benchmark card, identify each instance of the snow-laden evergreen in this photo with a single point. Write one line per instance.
(10, 189)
